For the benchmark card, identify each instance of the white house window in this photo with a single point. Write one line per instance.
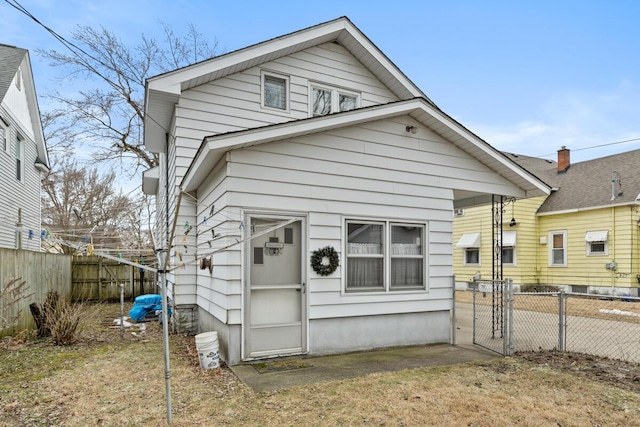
(558, 249)
(5, 135)
(407, 256)
(597, 242)
(275, 91)
(19, 157)
(384, 256)
(470, 242)
(18, 79)
(326, 100)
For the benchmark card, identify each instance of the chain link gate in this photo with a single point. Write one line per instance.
(493, 315)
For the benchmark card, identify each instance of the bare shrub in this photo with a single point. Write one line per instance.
(537, 287)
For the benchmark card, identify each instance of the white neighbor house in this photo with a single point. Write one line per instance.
(23, 153)
(318, 133)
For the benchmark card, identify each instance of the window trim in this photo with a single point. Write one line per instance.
(465, 257)
(287, 102)
(591, 252)
(563, 233)
(590, 243)
(515, 260)
(386, 289)
(335, 97)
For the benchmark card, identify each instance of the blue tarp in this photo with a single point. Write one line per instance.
(145, 304)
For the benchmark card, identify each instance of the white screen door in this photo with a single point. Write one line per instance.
(275, 315)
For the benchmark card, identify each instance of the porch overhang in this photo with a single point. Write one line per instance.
(515, 181)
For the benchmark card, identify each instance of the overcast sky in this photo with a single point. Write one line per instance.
(528, 77)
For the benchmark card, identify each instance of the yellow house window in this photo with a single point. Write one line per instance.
(597, 242)
(470, 242)
(558, 249)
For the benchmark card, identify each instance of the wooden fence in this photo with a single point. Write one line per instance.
(42, 272)
(98, 279)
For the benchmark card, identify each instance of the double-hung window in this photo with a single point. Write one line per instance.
(384, 256)
(275, 91)
(326, 100)
(558, 249)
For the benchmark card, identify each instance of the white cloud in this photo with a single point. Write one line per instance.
(577, 120)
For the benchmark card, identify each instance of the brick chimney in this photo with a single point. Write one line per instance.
(564, 159)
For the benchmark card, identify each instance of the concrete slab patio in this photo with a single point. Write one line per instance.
(309, 370)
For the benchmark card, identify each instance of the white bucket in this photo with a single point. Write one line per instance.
(208, 350)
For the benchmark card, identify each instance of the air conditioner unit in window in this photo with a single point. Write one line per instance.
(458, 212)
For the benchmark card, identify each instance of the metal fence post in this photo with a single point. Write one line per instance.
(475, 291)
(561, 298)
(509, 310)
(453, 312)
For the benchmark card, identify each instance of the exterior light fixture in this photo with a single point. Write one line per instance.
(412, 129)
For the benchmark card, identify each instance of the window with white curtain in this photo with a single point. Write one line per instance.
(275, 91)
(327, 100)
(384, 256)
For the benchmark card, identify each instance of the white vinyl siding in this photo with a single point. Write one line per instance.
(373, 172)
(15, 194)
(235, 102)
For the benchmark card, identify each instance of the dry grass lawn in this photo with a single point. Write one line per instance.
(109, 381)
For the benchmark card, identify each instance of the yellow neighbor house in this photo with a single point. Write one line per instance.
(583, 237)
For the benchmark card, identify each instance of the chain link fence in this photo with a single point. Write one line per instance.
(601, 325)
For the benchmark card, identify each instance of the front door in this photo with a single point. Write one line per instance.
(275, 290)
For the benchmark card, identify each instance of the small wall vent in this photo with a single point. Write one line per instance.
(458, 212)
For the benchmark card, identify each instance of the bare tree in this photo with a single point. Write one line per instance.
(81, 206)
(109, 115)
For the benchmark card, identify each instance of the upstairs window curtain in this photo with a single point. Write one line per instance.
(275, 92)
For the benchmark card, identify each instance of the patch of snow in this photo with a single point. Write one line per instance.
(619, 312)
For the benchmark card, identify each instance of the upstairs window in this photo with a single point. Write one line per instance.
(19, 157)
(326, 100)
(275, 91)
(5, 135)
(558, 249)
(18, 79)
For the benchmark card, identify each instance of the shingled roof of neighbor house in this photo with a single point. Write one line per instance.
(607, 181)
(10, 59)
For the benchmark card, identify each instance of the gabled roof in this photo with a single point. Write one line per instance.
(588, 185)
(11, 58)
(420, 109)
(162, 91)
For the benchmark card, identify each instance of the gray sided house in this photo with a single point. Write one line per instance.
(308, 141)
(23, 153)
